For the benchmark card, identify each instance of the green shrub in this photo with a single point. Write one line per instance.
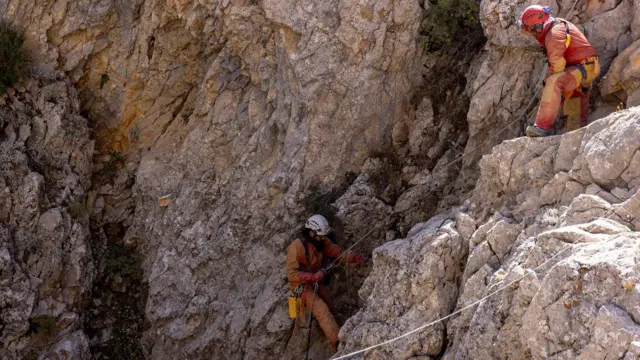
(123, 262)
(318, 201)
(13, 58)
(103, 80)
(447, 21)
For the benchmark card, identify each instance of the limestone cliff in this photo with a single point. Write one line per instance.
(561, 216)
(219, 125)
(46, 266)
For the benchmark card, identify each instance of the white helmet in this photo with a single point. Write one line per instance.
(318, 224)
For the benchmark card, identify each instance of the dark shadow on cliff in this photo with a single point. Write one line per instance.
(115, 312)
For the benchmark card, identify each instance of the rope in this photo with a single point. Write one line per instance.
(532, 271)
(380, 223)
(315, 290)
(523, 114)
(570, 10)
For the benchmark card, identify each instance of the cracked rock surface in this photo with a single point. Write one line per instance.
(213, 119)
(45, 259)
(570, 252)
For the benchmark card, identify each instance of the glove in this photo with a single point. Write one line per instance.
(308, 277)
(318, 276)
(358, 259)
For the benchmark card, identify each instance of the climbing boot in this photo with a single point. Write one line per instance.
(334, 346)
(534, 131)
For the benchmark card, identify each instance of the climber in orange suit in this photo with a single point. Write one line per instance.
(304, 269)
(573, 66)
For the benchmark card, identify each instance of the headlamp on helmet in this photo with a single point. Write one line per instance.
(534, 17)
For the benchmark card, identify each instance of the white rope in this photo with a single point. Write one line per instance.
(454, 313)
(570, 10)
(491, 294)
(380, 223)
(613, 211)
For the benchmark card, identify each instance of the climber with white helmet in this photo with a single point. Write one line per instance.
(304, 272)
(573, 66)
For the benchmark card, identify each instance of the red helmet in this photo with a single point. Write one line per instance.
(534, 17)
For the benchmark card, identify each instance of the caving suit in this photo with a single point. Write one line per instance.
(300, 267)
(573, 66)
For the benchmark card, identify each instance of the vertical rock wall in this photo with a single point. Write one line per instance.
(212, 118)
(46, 268)
(229, 109)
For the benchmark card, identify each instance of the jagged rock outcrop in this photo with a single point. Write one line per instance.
(511, 68)
(560, 213)
(228, 111)
(212, 118)
(622, 79)
(413, 281)
(45, 259)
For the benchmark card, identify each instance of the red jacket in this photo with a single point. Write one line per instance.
(553, 39)
(297, 259)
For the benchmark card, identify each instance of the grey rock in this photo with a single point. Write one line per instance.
(45, 259)
(74, 346)
(236, 108)
(411, 283)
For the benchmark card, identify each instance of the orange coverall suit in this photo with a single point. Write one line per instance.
(565, 76)
(299, 271)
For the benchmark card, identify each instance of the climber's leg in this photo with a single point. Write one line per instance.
(323, 293)
(584, 108)
(592, 70)
(572, 110)
(556, 85)
(321, 312)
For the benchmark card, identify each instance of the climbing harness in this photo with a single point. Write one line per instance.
(588, 61)
(315, 290)
(567, 32)
(477, 302)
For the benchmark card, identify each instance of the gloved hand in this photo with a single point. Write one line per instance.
(306, 277)
(358, 259)
(318, 276)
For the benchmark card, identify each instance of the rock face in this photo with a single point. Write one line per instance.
(227, 110)
(413, 281)
(510, 70)
(622, 78)
(213, 119)
(45, 257)
(548, 219)
(257, 71)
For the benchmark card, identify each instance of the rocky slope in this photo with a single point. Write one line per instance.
(510, 69)
(214, 120)
(46, 267)
(563, 210)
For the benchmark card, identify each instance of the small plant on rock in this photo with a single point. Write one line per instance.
(319, 201)
(115, 162)
(447, 21)
(13, 58)
(123, 263)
